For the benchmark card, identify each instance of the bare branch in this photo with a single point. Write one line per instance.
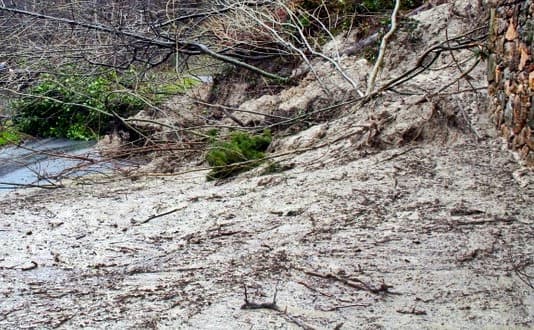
(380, 59)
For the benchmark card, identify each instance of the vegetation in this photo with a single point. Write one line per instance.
(240, 153)
(9, 136)
(83, 107)
(75, 107)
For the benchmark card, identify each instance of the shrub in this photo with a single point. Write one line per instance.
(240, 153)
(72, 106)
(9, 136)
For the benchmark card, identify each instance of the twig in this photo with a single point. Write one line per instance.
(224, 107)
(273, 306)
(413, 311)
(354, 283)
(524, 277)
(314, 289)
(395, 155)
(30, 185)
(335, 308)
(64, 320)
(152, 217)
(253, 305)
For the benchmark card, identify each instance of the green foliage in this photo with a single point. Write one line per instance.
(9, 136)
(161, 91)
(82, 107)
(240, 153)
(73, 106)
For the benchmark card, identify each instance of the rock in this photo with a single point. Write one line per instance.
(511, 32)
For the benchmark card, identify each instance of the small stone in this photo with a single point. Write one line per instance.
(505, 131)
(294, 213)
(518, 141)
(524, 56)
(507, 74)
(509, 54)
(524, 152)
(509, 87)
(498, 75)
(511, 32)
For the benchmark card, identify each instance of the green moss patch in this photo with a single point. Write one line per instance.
(241, 152)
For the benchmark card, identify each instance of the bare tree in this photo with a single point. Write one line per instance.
(120, 33)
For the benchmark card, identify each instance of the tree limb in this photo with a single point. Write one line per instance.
(380, 59)
(179, 46)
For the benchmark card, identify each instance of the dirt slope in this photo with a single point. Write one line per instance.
(403, 213)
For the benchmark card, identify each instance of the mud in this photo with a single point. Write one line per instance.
(406, 238)
(403, 213)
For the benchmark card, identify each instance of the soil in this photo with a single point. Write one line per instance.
(415, 237)
(403, 213)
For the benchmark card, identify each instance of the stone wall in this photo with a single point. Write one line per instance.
(511, 73)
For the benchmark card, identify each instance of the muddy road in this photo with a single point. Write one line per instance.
(405, 238)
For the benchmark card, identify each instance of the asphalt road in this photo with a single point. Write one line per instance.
(29, 163)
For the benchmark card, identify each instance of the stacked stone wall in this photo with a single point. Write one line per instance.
(511, 73)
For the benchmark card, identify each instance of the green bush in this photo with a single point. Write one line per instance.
(9, 136)
(240, 153)
(72, 106)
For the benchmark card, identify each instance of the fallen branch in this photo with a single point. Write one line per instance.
(412, 311)
(430, 56)
(172, 45)
(252, 305)
(335, 308)
(273, 306)
(152, 217)
(354, 283)
(380, 59)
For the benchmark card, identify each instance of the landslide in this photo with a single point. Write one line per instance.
(404, 211)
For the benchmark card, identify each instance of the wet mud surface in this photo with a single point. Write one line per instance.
(405, 238)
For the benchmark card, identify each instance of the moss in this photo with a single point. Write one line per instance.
(241, 152)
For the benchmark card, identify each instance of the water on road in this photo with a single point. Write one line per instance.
(37, 162)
